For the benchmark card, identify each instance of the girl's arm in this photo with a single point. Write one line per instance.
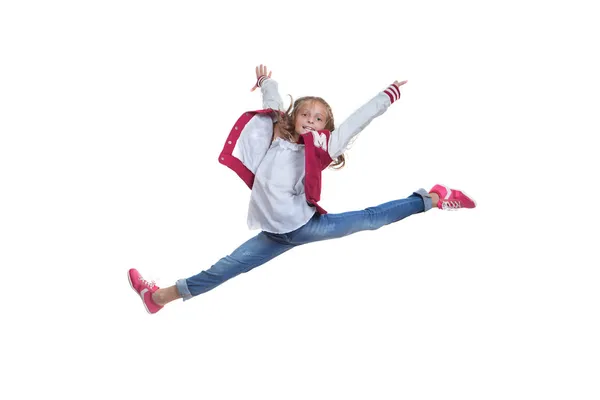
(269, 89)
(355, 123)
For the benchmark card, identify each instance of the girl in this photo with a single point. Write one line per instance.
(280, 156)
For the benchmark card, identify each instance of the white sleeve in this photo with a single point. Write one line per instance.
(355, 123)
(270, 92)
(254, 141)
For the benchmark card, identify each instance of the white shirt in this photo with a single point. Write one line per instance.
(278, 201)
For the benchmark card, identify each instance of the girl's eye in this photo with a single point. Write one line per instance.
(319, 119)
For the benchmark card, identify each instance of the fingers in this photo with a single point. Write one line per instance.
(399, 83)
(262, 70)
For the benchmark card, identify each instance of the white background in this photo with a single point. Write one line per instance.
(113, 114)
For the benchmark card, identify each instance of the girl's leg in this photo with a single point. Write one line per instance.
(332, 226)
(256, 251)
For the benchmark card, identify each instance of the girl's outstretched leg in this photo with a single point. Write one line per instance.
(256, 251)
(331, 226)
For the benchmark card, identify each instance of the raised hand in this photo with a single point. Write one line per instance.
(261, 70)
(399, 83)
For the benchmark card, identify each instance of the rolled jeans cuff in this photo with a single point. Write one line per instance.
(183, 289)
(426, 198)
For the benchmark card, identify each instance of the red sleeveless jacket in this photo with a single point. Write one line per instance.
(315, 152)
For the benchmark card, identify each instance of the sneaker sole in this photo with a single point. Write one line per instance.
(139, 294)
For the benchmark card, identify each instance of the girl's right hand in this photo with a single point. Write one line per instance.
(261, 70)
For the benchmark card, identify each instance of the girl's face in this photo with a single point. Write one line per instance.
(312, 115)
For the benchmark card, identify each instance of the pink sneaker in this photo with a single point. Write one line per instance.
(144, 289)
(452, 199)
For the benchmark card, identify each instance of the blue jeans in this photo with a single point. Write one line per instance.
(265, 246)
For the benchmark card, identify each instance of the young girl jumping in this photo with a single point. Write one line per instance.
(280, 156)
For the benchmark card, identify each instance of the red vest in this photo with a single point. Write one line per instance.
(315, 152)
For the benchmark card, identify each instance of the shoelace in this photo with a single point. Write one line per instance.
(451, 205)
(149, 285)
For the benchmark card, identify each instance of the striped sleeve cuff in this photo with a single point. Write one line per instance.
(393, 93)
(260, 80)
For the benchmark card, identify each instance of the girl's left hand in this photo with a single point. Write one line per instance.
(261, 71)
(399, 83)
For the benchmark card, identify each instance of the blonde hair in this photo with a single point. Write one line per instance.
(287, 122)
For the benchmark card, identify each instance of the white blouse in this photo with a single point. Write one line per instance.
(278, 202)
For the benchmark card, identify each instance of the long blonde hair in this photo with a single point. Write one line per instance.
(287, 122)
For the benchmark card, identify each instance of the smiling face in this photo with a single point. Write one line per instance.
(310, 115)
